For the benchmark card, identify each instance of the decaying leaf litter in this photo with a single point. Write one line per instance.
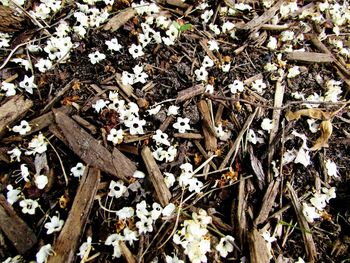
(174, 131)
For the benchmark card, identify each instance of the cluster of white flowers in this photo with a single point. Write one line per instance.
(318, 204)
(298, 156)
(27, 84)
(168, 155)
(202, 73)
(132, 78)
(187, 178)
(5, 40)
(236, 86)
(193, 237)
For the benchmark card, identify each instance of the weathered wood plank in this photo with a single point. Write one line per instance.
(67, 242)
(16, 230)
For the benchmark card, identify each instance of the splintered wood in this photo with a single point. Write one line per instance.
(68, 241)
(13, 110)
(16, 230)
(91, 151)
(157, 179)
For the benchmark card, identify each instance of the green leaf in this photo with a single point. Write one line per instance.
(185, 27)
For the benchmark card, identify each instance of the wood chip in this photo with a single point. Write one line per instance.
(209, 133)
(258, 247)
(306, 233)
(15, 229)
(13, 110)
(267, 202)
(311, 57)
(189, 93)
(177, 3)
(186, 135)
(68, 241)
(157, 179)
(92, 152)
(119, 20)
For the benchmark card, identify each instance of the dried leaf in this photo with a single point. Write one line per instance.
(312, 113)
(326, 129)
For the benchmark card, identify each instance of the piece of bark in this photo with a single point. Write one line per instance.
(136, 138)
(267, 202)
(156, 177)
(234, 149)
(276, 114)
(189, 93)
(13, 110)
(309, 243)
(68, 241)
(241, 218)
(165, 124)
(58, 96)
(119, 20)
(91, 151)
(187, 135)
(16, 230)
(257, 247)
(209, 133)
(126, 253)
(311, 57)
(92, 128)
(177, 3)
(257, 168)
(256, 23)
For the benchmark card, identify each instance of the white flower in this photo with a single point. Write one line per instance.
(237, 85)
(125, 212)
(138, 174)
(331, 168)
(207, 15)
(43, 65)
(113, 44)
(37, 145)
(319, 201)
(303, 157)
(209, 89)
(28, 206)
(330, 193)
(310, 213)
(300, 260)
(174, 259)
(215, 28)
(226, 67)
(267, 236)
(127, 78)
(270, 67)
(159, 154)
(266, 125)
(130, 236)
(135, 125)
(156, 211)
(100, 104)
(182, 124)
(243, 7)
(115, 136)
(139, 75)
(201, 74)
(225, 246)
(313, 125)
(169, 179)
(141, 209)
(170, 154)
(12, 194)
(117, 189)
(222, 135)
(78, 170)
(23, 128)
(207, 62)
(23, 62)
(136, 51)
(55, 225)
(96, 57)
(28, 84)
(251, 136)
(168, 210)
(259, 86)
(86, 246)
(213, 45)
(227, 26)
(113, 240)
(43, 253)
(41, 181)
(194, 185)
(287, 35)
(173, 110)
(145, 225)
(161, 138)
(293, 72)
(9, 88)
(154, 110)
(272, 44)
(24, 172)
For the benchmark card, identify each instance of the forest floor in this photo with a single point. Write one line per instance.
(174, 131)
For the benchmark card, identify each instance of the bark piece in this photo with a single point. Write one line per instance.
(156, 176)
(207, 125)
(268, 201)
(91, 151)
(10, 19)
(13, 110)
(119, 20)
(257, 168)
(187, 135)
(191, 92)
(241, 218)
(257, 246)
(16, 230)
(309, 243)
(177, 3)
(68, 241)
(312, 57)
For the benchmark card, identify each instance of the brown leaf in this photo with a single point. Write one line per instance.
(326, 132)
(312, 113)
